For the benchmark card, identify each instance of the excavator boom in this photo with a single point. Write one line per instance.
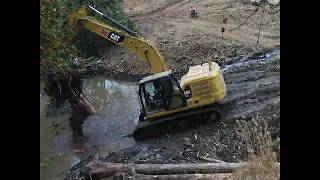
(130, 40)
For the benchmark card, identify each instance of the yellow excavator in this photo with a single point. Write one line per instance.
(163, 98)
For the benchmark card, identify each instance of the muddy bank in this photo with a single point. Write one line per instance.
(126, 66)
(134, 71)
(253, 88)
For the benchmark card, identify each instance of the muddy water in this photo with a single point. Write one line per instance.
(249, 61)
(118, 106)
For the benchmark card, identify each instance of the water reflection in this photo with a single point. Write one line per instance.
(118, 106)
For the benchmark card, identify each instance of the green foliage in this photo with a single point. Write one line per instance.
(55, 56)
(276, 143)
(47, 161)
(88, 43)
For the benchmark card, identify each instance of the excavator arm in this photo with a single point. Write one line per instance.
(130, 40)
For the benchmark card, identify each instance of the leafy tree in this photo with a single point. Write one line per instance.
(90, 44)
(55, 56)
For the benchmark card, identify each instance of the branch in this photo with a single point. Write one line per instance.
(270, 12)
(247, 18)
(211, 160)
(260, 26)
(254, 12)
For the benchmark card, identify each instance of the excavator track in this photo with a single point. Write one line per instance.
(151, 129)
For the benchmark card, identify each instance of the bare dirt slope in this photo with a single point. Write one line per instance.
(184, 41)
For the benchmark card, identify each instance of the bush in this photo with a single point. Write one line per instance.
(88, 43)
(57, 57)
(54, 55)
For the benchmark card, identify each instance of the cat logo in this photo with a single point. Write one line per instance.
(115, 37)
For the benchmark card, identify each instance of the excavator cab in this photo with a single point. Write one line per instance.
(160, 92)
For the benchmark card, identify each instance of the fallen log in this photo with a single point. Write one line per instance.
(183, 176)
(97, 170)
(221, 176)
(202, 168)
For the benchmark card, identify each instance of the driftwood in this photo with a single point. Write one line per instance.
(203, 168)
(211, 160)
(174, 177)
(182, 177)
(101, 170)
(171, 177)
(98, 170)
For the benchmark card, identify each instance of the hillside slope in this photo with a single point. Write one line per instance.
(184, 41)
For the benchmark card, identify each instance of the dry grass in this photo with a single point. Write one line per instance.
(261, 152)
(249, 141)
